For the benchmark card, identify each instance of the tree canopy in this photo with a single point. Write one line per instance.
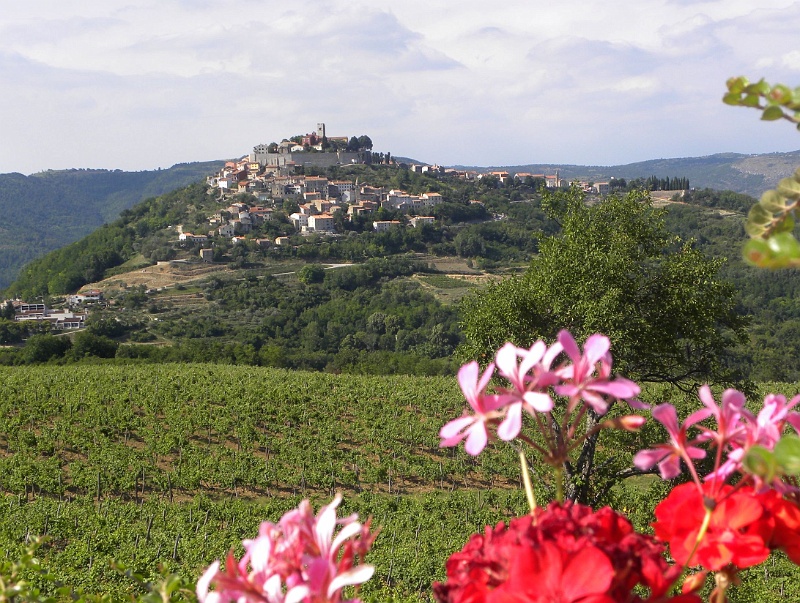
(614, 268)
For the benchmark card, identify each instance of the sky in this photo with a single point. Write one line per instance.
(143, 84)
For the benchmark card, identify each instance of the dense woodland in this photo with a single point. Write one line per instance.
(48, 210)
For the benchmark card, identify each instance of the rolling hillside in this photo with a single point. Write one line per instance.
(48, 210)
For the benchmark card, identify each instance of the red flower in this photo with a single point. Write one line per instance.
(507, 562)
(737, 533)
(786, 515)
(547, 574)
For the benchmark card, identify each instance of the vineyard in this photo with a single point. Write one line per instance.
(175, 464)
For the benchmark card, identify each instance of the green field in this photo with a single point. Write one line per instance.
(175, 464)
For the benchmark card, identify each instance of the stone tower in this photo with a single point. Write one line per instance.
(320, 131)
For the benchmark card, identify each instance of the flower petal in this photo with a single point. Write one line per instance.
(356, 575)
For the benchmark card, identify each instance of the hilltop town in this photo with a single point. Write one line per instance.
(277, 171)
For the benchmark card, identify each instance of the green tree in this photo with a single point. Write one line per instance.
(88, 344)
(311, 273)
(615, 269)
(7, 311)
(41, 348)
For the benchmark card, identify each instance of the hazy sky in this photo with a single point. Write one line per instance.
(142, 84)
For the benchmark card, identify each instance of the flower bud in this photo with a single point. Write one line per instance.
(694, 582)
(627, 423)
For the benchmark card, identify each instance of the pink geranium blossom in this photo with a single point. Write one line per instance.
(299, 559)
(581, 381)
(669, 455)
(473, 427)
(529, 374)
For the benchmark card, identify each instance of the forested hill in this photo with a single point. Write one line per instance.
(48, 210)
(748, 174)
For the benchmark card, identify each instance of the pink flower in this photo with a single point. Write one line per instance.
(299, 559)
(530, 376)
(669, 455)
(581, 373)
(728, 416)
(473, 427)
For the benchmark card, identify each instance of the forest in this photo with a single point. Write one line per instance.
(48, 210)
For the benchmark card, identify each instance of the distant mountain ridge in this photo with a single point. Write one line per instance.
(748, 174)
(48, 210)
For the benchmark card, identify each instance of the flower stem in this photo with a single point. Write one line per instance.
(526, 480)
(700, 535)
(559, 483)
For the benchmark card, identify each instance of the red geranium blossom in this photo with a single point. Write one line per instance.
(786, 515)
(502, 554)
(737, 534)
(547, 574)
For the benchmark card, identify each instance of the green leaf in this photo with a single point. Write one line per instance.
(786, 224)
(789, 187)
(787, 454)
(772, 113)
(732, 98)
(780, 94)
(783, 244)
(757, 252)
(773, 202)
(751, 100)
(761, 462)
(755, 230)
(737, 84)
(759, 215)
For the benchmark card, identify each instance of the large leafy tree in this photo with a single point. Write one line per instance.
(615, 269)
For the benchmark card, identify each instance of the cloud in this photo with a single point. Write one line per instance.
(142, 83)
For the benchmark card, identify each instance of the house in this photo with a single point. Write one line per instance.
(321, 223)
(357, 209)
(553, 181)
(338, 187)
(207, 255)
(501, 176)
(282, 241)
(432, 199)
(299, 220)
(384, 225)
(58, 319)
(316, 184)
(420, 220)
(188, 237)
(93, 295)
(227, 230)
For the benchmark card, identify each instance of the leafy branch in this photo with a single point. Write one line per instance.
(771, 221)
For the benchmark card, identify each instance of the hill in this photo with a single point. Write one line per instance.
(45, 211)
(748, 174)
(48, 210)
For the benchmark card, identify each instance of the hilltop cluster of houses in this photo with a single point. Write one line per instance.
(320, 199)
(270, 173)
